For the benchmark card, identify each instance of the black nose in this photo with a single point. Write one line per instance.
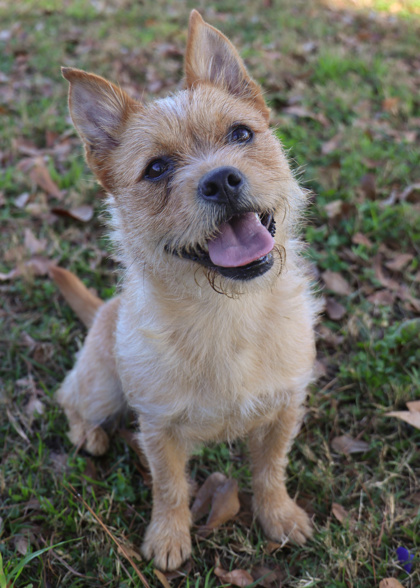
(221, 185)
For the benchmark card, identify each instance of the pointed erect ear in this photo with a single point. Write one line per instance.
(211, 58)
(99, 111)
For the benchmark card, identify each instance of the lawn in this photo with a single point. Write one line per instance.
(343, 81)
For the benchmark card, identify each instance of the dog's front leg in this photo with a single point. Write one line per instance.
(167, 538)
(280, 517)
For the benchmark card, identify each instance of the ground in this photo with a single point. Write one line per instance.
(343, 81)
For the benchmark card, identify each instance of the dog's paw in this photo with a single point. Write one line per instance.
(94, 439)
(168, 542)
(286, 522)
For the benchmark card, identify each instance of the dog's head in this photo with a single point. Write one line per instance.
(197, 179)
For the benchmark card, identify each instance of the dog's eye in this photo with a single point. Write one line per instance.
(241, 134)
(156, 169)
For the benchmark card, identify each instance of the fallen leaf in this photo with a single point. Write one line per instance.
(21, 200)
(332, 144)
(391, 104)
(302, 112)
(272, 546)
(40, 175)
(162, 578)
(336, 283)
(339, 512)
(361, 239)
(410, 193)
(224, 506)
(334, 309)
(413, 406)
(82, 213)
(386, 282)
(382, 298)
(332, 339)
(37, 266)
(390, 583)
(205, 494)
(410, 416)
(334, 208)
(235, 577)
(22, 544)
(127, 549)
(33, 244)
(368, 186)
(346, 444)
(268, 578)
(34, 406)
(399, 262)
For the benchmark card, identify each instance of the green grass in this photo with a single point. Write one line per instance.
(341, 65)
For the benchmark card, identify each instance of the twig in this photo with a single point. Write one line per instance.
(105, 528)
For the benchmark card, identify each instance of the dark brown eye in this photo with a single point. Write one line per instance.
(156, 169)
(241, 134)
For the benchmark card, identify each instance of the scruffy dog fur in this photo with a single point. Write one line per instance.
(211, 338)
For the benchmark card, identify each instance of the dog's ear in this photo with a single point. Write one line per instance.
(99, 111)
(211, 58)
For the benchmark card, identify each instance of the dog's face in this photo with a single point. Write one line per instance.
(198, 180)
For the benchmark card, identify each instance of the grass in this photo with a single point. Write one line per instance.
(356, 72)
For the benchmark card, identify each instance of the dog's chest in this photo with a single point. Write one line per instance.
(216, 374)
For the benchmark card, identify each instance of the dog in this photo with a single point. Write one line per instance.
(212, 335)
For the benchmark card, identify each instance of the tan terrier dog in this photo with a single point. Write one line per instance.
(212, 335)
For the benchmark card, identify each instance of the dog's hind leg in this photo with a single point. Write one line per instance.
(91, 394)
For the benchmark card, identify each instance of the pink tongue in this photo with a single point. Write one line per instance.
(240, 241)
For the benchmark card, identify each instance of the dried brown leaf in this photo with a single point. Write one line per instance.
(224, 506)
(22, 544)
(386, 282)
(82, 213)
(302, 112)
(205, 495)
(346, 444)
(368, 186)
(361, 239)
(412, 418)
(413, 406)
(272, 546)
(235, 577)
(390, 583)
(332, 144)
(40, 175)
(339, 512)
(162, 578)
(332, 339)
(399, 261)
(34, 406)
(22, 200)
(391, 104)
(334, 208)
(268, 578)
(334, 309)
(382, 297)
(33, 244)
(410, 193)
(336, 283)
(37, 266)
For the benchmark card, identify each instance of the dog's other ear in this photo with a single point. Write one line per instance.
(99, 111)
(211, 58)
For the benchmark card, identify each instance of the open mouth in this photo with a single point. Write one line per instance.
(241, 249)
